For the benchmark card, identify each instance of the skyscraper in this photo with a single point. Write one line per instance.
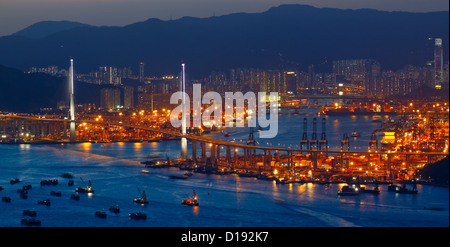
(438, 64)
(141, 72)
(128, 97)
(110, 98)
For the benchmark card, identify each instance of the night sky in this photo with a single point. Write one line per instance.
(18, 14)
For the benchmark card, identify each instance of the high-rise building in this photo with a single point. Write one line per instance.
(110, 98)
(128, 97)
(438, 64)
(141, 72)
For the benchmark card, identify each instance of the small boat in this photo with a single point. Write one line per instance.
(152, 156)
(27, 187)
(67, 175)
(22, 191)
(114, 209)
(14, 181)
(75, 197)
(145, 171)
(392, 187)
(137, 216)
(282, 181)
(24, 196)
(375, 190)
(85, 190)
(249, 142)
(45, 202)
(348, 191)
(141, 200)
(99, 214)
(29, 213)
(184, 176)
(227, 134)
(405, 190)
(192, 201)
(55, 193)
(49, 182)
(30, 222)
(355, 133)
(6, 199)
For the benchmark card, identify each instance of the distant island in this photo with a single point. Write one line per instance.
(437, 172)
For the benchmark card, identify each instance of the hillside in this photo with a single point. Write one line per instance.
(284, 37)
(20, 92)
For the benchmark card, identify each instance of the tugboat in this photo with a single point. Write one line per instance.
(114, 209)
(348, 191)
(355, 133)
(192, 201)
(14, 181)
(30, 222)
(141, 200)
(250, 142)
(55, 193)
(404, 190)
(45, 202)
(75, 197)
(184, 176)
(49, 182)
(67, 175)
(101, 215)
(137, 216)
(29, 213)
(85, 190)
(393, 187)
(375, 190)
(6, 199)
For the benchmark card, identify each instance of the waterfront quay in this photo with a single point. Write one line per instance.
(395, 152)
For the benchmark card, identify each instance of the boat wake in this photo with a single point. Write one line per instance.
(328, 219)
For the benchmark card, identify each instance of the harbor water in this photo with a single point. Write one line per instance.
(225, 200)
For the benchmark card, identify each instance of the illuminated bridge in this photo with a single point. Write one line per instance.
(250, 160)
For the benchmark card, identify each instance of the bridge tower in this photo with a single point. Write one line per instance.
(304, 140)
(184, 154)
(323, 143)
(345, 141)
(314, 142)
(72, 137)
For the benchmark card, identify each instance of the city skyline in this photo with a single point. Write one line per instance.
(314, 113)
(17, 15)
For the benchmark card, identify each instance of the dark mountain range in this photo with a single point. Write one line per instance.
(20, 92)
(46, 28)
(288, 36)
